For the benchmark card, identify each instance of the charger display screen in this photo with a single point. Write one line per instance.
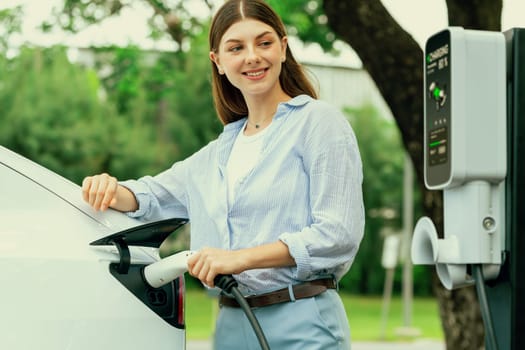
(437, 146)
(437, 108)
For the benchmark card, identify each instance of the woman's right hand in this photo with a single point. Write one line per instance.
(103, 191)
(100, 191)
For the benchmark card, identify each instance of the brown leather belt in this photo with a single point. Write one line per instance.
(300, 291)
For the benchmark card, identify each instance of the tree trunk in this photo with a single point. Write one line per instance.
(395, 62)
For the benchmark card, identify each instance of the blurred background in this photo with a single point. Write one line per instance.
(123, 86)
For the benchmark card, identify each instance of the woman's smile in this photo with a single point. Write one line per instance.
(257, 74)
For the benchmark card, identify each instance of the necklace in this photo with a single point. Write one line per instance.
(258, 125)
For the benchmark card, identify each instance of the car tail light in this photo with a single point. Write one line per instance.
(180, 305)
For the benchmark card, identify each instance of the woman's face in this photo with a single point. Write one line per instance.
(250, 53)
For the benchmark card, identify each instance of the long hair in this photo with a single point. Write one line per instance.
(229, 102)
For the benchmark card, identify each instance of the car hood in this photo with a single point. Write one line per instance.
(70, 192)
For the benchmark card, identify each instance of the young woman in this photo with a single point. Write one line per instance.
(275, 200)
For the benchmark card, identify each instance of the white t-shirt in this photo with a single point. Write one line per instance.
(244, 156)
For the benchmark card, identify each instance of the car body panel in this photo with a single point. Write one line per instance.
(56, 290)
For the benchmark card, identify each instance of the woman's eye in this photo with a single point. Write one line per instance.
(235, 48)
(265, 43)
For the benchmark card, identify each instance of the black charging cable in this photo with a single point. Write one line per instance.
(484, 305)
(228, 284)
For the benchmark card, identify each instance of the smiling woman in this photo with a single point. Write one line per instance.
(275, 201)
(254, 48)
(251, 55)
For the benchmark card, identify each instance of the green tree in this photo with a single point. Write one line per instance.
(138, 147)
(382, 156)
(173, 18)
(10, 23)
(192, 95)
(52, 112)
(163, 99)
(382, 194)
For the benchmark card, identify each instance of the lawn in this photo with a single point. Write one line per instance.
(364, 314)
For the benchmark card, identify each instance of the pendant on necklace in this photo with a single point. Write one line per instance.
(256, 126)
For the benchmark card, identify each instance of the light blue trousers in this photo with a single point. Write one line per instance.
(317, 323)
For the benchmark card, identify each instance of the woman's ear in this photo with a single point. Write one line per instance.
(215, 59)
(284, 46)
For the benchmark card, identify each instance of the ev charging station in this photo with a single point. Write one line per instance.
(474, 151)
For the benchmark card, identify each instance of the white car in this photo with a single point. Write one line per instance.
(72, 278)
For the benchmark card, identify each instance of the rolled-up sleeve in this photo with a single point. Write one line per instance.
(332, 161)
(161, 196)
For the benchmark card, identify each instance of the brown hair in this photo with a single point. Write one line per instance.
(229, 102)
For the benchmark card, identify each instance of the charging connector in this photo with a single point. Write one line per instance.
(166, 270)
(169, 268)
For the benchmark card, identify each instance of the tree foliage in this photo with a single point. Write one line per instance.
(10, 23)
(383, 174)
(306, 20)
(51, 112)
(151, 109)
(175, 18)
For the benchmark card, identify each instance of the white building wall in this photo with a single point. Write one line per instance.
(347, 87)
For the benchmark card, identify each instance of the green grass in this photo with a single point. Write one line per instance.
(364, 314)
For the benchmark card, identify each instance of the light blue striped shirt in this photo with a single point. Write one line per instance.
(305, 191)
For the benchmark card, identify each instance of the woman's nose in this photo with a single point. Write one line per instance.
(252, 56)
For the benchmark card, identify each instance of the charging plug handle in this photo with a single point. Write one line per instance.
(225, 282)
